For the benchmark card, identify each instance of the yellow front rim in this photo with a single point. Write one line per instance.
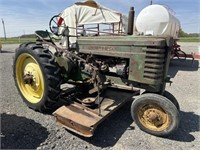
(153, 117)
(26, 65)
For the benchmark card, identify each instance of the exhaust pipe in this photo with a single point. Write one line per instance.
(131, 21)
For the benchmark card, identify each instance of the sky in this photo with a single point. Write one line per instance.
(25, 16)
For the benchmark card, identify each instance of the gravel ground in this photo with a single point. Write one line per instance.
(23, 128)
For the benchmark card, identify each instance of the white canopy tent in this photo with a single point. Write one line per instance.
(90, 12)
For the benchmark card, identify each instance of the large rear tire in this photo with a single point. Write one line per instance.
(37, 76)
(155, 114)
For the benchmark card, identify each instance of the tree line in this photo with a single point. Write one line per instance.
(184, 34)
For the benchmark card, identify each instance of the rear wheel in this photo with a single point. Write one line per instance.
(37, 76)
(155, 114)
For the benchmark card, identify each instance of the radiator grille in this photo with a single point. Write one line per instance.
(154, 63)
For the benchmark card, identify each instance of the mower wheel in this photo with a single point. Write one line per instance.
(37, 76)
(155, 114)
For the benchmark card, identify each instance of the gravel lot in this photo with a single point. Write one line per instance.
(23, 128)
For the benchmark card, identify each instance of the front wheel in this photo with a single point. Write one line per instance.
(155, 114)
(171, 97)
(37, 76)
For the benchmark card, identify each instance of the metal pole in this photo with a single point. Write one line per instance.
(4, 29)
(98, 96)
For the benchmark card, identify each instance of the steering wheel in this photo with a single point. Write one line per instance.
(54, 24)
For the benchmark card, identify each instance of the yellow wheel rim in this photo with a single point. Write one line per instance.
(153, 117)
(29, 78)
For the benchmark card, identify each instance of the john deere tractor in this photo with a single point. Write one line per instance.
(95, 76)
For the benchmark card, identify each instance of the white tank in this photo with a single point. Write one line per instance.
(157, 20)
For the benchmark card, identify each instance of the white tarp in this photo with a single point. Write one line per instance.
(90, 12)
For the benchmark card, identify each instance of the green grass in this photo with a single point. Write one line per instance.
(16, 40)
(22, 40)
(189, 39)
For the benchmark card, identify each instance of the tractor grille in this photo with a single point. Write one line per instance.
(154, 63)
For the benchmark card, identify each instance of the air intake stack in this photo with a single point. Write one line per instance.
(131, 21)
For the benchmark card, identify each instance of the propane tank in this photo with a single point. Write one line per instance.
(157, 20)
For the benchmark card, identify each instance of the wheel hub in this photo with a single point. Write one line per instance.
(31, 76)
(28, 79)
(153, 117)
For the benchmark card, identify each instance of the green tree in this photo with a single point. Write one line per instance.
(182, 33)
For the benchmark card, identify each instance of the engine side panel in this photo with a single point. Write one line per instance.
(148, 57)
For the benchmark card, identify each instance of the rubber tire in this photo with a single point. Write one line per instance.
(165, 104)
(171, 97)
(50, 71)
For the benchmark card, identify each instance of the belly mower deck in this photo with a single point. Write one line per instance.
(83, 120)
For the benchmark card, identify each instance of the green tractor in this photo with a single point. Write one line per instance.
(95, 76)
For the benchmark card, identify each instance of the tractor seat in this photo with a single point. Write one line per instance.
(47, 36)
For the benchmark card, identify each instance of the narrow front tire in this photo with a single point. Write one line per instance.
(155, 114)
